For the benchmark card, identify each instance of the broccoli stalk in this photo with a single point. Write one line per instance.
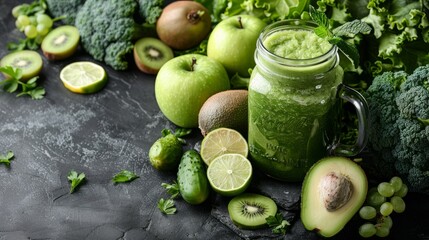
(107, 29)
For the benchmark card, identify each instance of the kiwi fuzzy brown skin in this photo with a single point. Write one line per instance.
(54, 53)
(225, 109)
(183, 24)
(158, 46)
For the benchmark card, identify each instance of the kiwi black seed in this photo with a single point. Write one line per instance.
(150, 54)
(250, 210)
(30, 62)
(61, 42)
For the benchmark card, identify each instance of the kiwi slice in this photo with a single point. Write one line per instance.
(150, 54)
(28, 61)
(61, 42)
(249, 210)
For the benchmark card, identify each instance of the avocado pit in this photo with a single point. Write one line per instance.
(335, 191)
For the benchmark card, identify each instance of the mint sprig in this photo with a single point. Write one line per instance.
(339, 35)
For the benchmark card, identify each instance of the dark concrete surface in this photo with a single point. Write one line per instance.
(101, 134)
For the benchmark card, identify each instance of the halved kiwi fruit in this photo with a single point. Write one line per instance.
(61, 42)
(150, 54)
(250, 210)
(28, 61)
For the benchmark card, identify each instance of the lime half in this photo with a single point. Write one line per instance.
(230, 174)
(83, 77)
(221, 141)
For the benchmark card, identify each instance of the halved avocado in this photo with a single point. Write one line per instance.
(333, 191)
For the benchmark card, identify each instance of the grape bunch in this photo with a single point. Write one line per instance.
(32, 20)
(381, 202)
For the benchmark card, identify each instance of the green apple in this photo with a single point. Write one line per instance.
(233, 43)
(184, 83)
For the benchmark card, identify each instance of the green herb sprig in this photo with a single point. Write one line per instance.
(339, 35)
(13, 83)
(172, 189)
(277, 224)
(75, 179)
(6, 158)
(167, 206)
(124, 176)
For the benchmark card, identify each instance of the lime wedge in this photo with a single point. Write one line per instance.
(230, 174)
(83, 77)
(221, 141)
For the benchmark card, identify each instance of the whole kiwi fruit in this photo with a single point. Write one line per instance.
(183, 24)
(227, 109)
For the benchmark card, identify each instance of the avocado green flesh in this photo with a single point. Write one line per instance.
(314, 215)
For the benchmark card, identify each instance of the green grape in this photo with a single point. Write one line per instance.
(42, 29)
(385, 189)
(396, 183)
(403, 191)
(45, 20)
(374, 198)
(367, 230)
(33, 20)
(367, 212)
(385, 221)
(386, 209)
(23, 20)
(19, 26)
(398, 204)
(30, 31)
(16, 11)
(382, 231)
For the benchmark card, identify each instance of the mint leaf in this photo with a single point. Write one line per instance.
(172, 189)
(181, 132)
(349, 50)
(75, 179)
(350, 29)
(124, 176)
(322, 32)
(167, 206)
(319, 17)
(7, 158)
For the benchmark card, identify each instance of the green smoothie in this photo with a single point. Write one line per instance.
(292, 103)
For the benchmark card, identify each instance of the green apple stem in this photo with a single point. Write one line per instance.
(239, 21)
(194, 62)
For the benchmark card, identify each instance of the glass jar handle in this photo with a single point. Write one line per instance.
(362, 111)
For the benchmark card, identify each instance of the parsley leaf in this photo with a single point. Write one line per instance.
(180, 132)
(6, 158)
(172, 189)
(124, 176)
(13, 83)
(337, 35)
(167, 206)
(75, 179)
(277, 223)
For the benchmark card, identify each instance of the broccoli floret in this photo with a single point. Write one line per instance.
(381, 95)
(400, 110)
(107, 29)
(64, 8)
(150, 10)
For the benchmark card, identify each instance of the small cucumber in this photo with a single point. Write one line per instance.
(193, 183)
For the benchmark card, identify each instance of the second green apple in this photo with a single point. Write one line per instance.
(233, 43)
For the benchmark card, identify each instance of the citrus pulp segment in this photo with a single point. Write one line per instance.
(83, 77)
